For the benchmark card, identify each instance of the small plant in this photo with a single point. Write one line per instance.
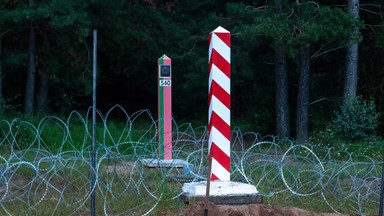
(356, 120)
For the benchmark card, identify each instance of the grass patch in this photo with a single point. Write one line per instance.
(49, 168)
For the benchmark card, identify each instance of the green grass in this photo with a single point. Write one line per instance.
(371, 148)
(123, 139)
(124, 190)
(342, 182)
(56, 135)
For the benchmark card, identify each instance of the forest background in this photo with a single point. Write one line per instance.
(299, 68)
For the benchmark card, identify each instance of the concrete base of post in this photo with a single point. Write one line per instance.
(232, 193)
(187, 174)
(156, 163)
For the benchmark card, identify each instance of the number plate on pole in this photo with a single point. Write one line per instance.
(165, 83)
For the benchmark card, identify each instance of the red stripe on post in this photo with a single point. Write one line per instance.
(220, 63)
(225, 37)
(221, 125)
(221, 94)
(220, 156)
(214, 177)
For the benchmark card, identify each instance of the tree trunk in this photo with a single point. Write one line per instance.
(303, 96)
(352, 57)
(31, 72)
(42, 99)
(282, 104)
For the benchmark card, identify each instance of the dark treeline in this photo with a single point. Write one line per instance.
(294, 63)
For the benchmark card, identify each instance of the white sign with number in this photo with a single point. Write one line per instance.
(165, 83)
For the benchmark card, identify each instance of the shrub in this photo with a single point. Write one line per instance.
(356, 120)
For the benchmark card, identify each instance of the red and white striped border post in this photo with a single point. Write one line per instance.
(219, 116)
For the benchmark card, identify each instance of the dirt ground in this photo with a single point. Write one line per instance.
(197, 209)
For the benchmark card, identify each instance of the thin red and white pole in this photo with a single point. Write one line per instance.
(219, 101)
(165, 107)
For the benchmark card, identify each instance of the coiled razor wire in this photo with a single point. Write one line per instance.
(45, 167)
